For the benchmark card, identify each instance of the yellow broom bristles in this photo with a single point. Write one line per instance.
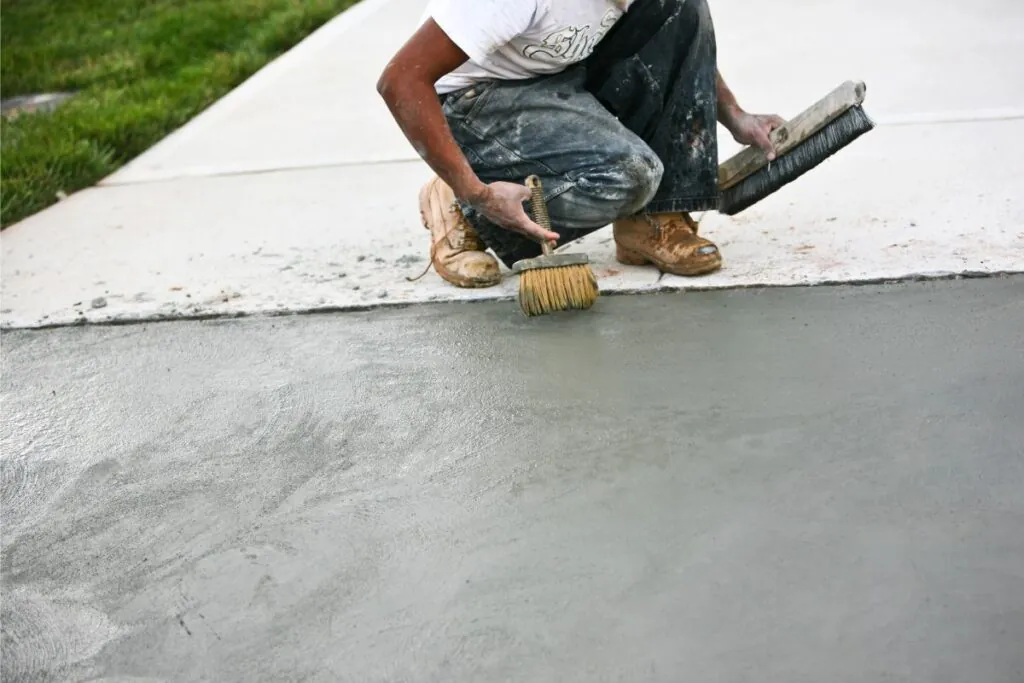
(545, 290)
(560, 288)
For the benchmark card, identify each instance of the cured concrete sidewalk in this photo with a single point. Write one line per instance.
(297, 192)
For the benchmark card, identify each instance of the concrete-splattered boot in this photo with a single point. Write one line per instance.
(456, 251)
(668, 240)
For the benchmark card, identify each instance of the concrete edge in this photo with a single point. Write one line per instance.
(212, 313)
(150, 178)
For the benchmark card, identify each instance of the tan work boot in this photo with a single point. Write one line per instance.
(456, 251)
(667, 240)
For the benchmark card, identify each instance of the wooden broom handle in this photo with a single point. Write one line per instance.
(540, 209)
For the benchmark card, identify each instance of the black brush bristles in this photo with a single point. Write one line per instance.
(846, 128)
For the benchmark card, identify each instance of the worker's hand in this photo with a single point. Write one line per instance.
(753, 129)
(503, 203)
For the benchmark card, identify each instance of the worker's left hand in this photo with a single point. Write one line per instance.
(753, 129)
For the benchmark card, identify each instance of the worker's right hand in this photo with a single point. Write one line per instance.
(502, 203)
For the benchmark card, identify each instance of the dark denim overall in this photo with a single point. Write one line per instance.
(630, 129)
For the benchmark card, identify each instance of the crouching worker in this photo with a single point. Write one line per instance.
(612, 103)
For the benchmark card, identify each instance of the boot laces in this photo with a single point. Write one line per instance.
(470, 239)
(673, 221)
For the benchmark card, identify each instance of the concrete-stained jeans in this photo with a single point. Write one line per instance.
(630, 129)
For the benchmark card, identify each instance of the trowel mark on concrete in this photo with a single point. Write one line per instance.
(37, 465)
(26, 490)
(43, 638)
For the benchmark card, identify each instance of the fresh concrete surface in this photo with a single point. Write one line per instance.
(303, 162)
(792, 485)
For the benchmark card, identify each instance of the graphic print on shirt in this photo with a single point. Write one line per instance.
(573, 43)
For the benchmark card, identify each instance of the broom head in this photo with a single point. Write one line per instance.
(555, 282)
(803, 143)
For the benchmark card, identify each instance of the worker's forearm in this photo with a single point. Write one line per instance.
(415, 106)
(727, 105)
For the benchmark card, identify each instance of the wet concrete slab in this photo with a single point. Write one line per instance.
(783, 485)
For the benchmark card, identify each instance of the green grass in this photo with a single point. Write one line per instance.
(140, 68)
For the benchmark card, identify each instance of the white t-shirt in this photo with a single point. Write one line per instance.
(516, 39)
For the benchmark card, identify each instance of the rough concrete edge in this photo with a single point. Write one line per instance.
(152, 318)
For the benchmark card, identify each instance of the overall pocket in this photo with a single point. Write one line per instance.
(465, 105)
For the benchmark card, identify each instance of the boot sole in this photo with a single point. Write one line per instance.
(630, 257)
(458, 280)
